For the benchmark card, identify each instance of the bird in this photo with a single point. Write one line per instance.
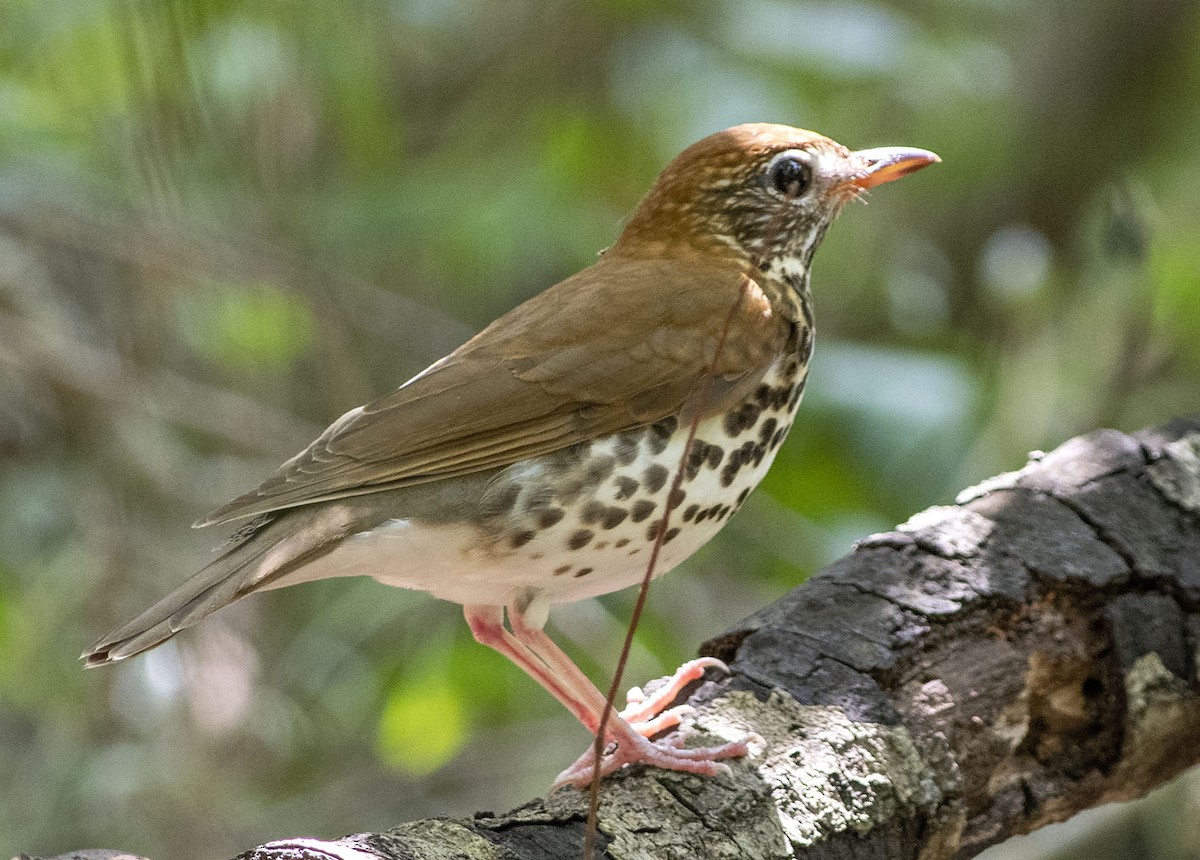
(627, 411)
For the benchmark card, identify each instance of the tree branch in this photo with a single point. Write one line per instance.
(985, 669)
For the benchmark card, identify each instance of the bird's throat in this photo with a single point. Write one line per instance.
(785, 281)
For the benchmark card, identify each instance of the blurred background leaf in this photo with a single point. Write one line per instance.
(225, 222)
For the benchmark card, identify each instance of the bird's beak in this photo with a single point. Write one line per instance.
(887, 163)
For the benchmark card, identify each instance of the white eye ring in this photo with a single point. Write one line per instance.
(789, 174)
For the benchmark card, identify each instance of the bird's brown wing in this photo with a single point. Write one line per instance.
(621, 344)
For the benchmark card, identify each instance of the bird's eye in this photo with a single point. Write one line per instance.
(789, 174)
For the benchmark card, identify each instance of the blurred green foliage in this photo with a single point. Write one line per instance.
(245, 328)
(224, 222)
(422, 724)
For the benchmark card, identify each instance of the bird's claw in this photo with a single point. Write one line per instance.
(643, 708)
(628, 733)
(668, 753)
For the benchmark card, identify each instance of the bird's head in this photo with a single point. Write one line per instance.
(762, 193)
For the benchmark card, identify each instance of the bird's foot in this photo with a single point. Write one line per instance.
(668, 753)
(644, 717)
(644, 710)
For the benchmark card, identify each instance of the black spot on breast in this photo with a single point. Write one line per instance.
(696, 459)
(767, 430)
(762, 395)
(627, 447)
(760, 451)
(550, 516)
(703, 453)
(592, 512)
(613, 517)
(723, 512)
(652, 530)
(797, 391)
(626, 487)
(671, 534)
(780, 435)
(600, 468)
(742, 419)
(559, 571)
(654, 477)
(675, 498)
(742, 497)
(738, 457)
(622, 542)
(690, 513)
(660, 434)
(579, 539)
(583, 571)
(519, 539)
(731, 469)
(641, 510)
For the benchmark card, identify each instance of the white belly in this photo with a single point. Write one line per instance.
(580, 554)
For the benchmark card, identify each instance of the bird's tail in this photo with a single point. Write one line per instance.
(260, 557)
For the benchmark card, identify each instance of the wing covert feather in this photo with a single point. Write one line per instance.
(621, 344)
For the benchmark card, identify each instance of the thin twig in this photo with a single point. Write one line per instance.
(589, 838)
(593, 823)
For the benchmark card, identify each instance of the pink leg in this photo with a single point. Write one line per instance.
(487, 626)
(555, 671)
(631, 741)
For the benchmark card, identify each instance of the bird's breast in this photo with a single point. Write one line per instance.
(583, 521)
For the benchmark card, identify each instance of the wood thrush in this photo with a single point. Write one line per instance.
(533, 465)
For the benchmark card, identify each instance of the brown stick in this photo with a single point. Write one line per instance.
(701, 403)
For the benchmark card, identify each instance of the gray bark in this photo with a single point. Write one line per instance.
(985, 669)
